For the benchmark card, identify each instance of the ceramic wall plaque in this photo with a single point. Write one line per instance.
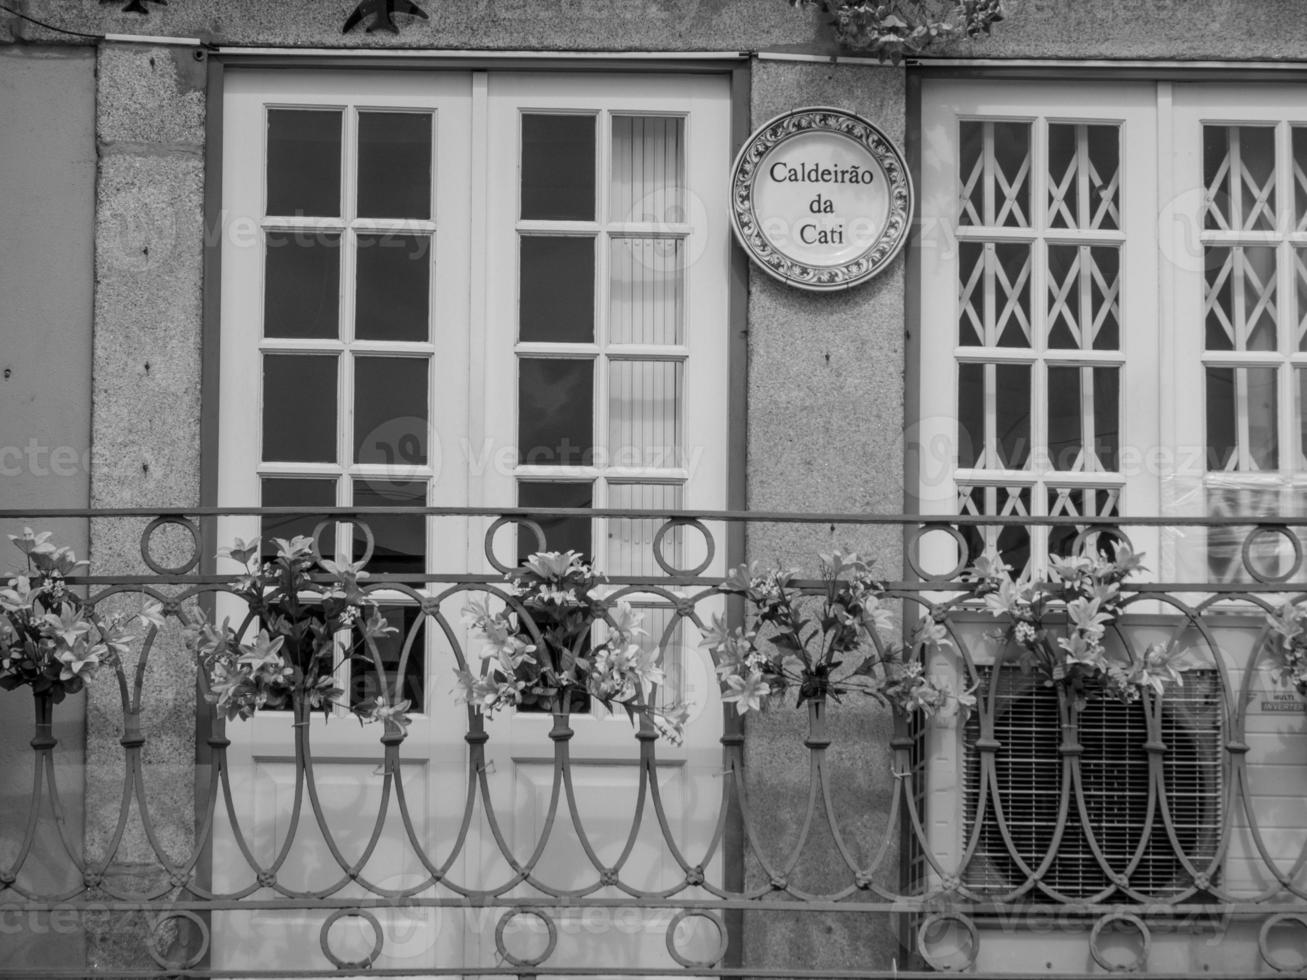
(821, 198)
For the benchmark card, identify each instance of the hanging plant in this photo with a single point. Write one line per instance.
(829, 645)
(313, 617)
(1061, 625)
(890, 31)
(51, 639)
(558, 641)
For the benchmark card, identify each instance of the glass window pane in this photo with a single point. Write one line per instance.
(557, 295)
(1269, 554)
(1107, 417)
(390, 395)
(394, 165)
(1241, 298)
(644, 412)
(1013, 414)
(1299, 276)
(299, 408)
(394, 285)
(558, 167)
(305, 494)
(1220, 418)
(399, 542)
(1011, 175)
(561, 533)
(1010, 278)
(1301, 374)
(1083, 175)
(304, 162)
(1080, 502)
(1300, 187)
(631, 540)
(646, 291)
(1011, 542)
(1065, 429)
(367, 683)
(971, 169)
(647, 170)
(301, 285)
(1064, 297)
(971, 294)
(1239, 173)
(555, 412)
(1242, 419)
(971, 414)
(1262, 398)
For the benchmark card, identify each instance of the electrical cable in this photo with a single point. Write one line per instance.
(50, 27)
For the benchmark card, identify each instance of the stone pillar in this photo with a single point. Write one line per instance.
(145, 443)
(826, 412)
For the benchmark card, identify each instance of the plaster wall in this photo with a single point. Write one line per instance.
(47, 182)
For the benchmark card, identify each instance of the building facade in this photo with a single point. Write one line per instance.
(476, 257)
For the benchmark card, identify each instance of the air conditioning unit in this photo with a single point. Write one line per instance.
(1151, 839)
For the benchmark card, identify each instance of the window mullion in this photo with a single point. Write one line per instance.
(1286, 326)
(603, 307)
(1039, 461)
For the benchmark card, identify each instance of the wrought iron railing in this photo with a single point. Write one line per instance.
(1033, 834)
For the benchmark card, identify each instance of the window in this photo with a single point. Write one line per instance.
(468, 289)
(1113, 287)
(475, 289)
(1112, 298)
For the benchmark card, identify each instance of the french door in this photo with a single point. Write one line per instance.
(1113, 283)
(485, 289)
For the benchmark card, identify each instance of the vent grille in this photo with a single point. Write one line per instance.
(1115, 787)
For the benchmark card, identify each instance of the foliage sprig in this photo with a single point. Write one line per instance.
(1061, 623)
(894, 29)
(51, 639)
(313, 618)
(557, 640)
(827, 646)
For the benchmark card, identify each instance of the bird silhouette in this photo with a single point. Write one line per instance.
(382, 13)
(136, 6)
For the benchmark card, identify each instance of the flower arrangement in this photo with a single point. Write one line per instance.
(891, 29)
(1084, 594)
(557, 641)
(1289, 624)
(310, 624)
(830, 648)
(50, 638)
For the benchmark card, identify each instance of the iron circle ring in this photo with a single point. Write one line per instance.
(914, 551)
(195, 958)
(317, 540)
(525, 522)
(671, 569)
(1264, 935)
(1245, 553)
(522, 960)
(930, 957)
(722, 941)
(1083, 538)
(149, 532)
(368, 960)
(1139, 926)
